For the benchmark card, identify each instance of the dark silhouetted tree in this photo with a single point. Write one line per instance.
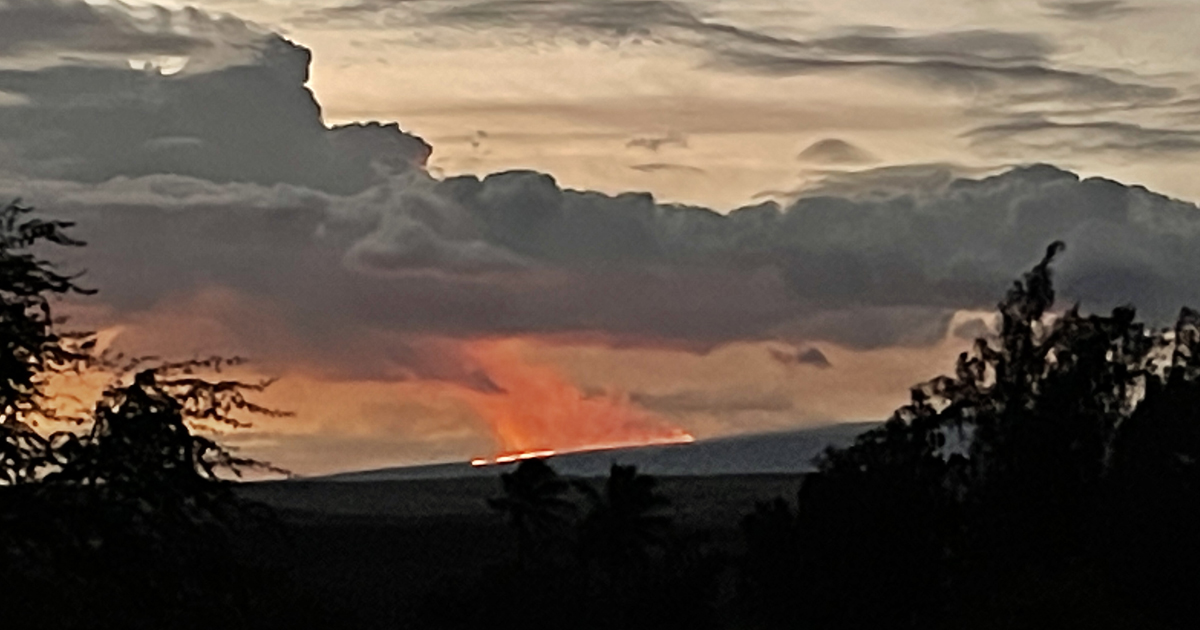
(625, 521)
(1062, 452)
(630, 569)
(124, 520)
(534, 500)
(770, 567)
(32, 349)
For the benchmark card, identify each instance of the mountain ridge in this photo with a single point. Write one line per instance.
(779, 452)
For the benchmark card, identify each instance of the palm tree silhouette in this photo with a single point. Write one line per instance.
(625, 521)
(534, 503)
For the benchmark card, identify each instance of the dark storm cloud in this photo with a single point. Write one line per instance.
(340, 249)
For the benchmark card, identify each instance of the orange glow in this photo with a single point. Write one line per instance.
(509, 458)
(539, 413)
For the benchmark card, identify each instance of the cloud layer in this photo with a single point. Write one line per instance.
(223, 212)
(228, 177)
(1004, 76)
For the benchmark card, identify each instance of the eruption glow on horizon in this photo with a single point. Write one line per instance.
(539, 413)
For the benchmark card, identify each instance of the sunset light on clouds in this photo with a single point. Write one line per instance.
(583, 223)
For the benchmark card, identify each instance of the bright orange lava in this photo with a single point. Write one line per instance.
(681, 438)
(509, 458)
(540, 413)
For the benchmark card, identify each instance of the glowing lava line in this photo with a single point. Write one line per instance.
(508, 458)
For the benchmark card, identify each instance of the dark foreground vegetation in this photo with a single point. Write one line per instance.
(119, 519)
(1051, 482)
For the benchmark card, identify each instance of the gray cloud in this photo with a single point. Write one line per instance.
(835, 151)
(973, 329)
(42, 33)
(813, 356)
(654, 143)
(677, 22)
(244, 118)
(1053, 138)
(865, 272)
(76, 26)
(1087, 9)
(656, 167)
(1005, 83)
(882, 182)
(809, 356)
(1012, 67)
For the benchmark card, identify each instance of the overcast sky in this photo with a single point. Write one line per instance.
(596, 221)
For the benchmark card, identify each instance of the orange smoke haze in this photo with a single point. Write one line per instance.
(539, 411)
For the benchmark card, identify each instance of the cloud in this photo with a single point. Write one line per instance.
(1000, 77)
(972, 329)
(515, 254)
(223, 118)
(41, 33)
(1004, 76)
(809, 356)
(78, 26)
(1003, 85)
(654, 143)
(678, 23)
(656, 167)
(813, 356)
(882, 182)
(1053, 138)
(1009, 68)
(720, 402)
(835, 151)
(227, 180)
(1087, 9)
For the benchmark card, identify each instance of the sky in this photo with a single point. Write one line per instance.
(458, 228)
